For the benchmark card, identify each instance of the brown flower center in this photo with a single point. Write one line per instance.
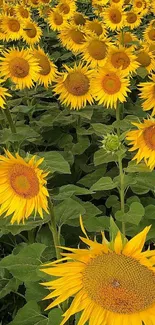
(58, 19)
(23, 12)
(95, 27)
(14, 25)
(149, 137)
(119, 283)
(79, 19)
(19, 68)
(111, 83)
(139, 4)
(151, 34)
(43, 63)
(144, 59)
(77, 83)
(131, 17)
(30, 30)
(115, 16)
(77, 36)
(120, 60)
(24, 181)
(126, 38)
(97, 49)
(64, 8)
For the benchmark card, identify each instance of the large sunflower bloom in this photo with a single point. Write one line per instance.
(78, 19)
(110, 86)
(72, 37)
(143, 140)
(20, 66)
(133, 19)
(22, 190)
(56, 20)
(114, 17)
(95, 50)
(66, 8)
(22, 12)
(146, 59)
(149, 35)
(96, 27)
(111, 283)
(74, 86)
(48, 70)
(122, 58)
(31, 32)
(147, 94)
(11, 27)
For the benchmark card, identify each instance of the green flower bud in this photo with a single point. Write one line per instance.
(111, 143)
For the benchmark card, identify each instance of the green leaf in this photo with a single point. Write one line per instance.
(35, 291)
(55, 162)
(55, 316)
(134, 168)
(8, 285)
(26, 264)
(102, 129)
(103, 184)
(101, 156)
(91, 178)
(113, 230)
(96, 224)
(111, 201)
(80, 147)
(134, 215)
(29, 315)
(150, 212)
(68, 209)
(69, 190)
(142, 72)
(6, 226)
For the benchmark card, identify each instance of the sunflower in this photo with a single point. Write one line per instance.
(78, 19)
(31, 32)
(111, 282)
(95, 50)
(149, 35)
(48, 69)
(110, 86)
(133, 19)
(146, 59)
(11, 27)
(22, 190)
(122, 58)
(56, 20)
(143, 140)
(140, 6)
(96, 27)
(22, 12)
(8, 10)
(126, 39)
(74, 86)
(73, 38)
(66, 8)
(3, 94)
(20, 66)
(147, 94)
(114, 17)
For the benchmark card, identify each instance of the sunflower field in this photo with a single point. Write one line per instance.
(77, 162)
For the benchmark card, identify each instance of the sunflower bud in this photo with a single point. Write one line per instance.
(111, 143)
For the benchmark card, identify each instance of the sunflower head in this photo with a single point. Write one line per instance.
(143, 140)
(114, 16)
(109, 281)
(74, 86)
(31, 32)
(24, 187)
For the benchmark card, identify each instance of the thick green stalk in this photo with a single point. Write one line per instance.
(53, 228)
(121, 173)
(9, 119)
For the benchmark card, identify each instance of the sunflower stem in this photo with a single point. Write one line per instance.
(53, 228)
(121, 173)
(10, 120)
